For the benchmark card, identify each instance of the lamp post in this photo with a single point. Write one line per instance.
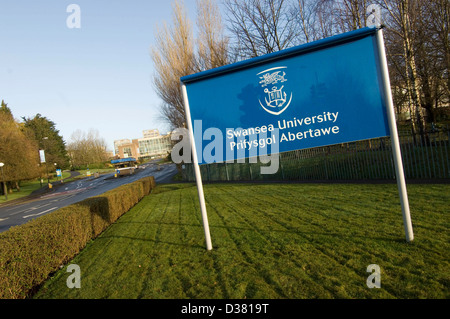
(46, 166)
(56, 178)
(4, 182)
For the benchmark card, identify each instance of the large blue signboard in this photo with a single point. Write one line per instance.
(322, 93)
(326, 92)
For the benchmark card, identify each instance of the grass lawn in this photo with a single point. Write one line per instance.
(26, 188)
(97, 170)
(270, 241)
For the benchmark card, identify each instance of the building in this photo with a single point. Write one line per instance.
(150, 133)
(129, 149)
(118, 143)
(151, 145)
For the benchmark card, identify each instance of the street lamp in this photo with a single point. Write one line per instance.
(46, 167)
(4, 182)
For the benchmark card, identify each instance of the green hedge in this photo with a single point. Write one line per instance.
(29, 253)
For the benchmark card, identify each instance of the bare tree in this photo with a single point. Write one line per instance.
(318, 19)
(261, 26)
(212, 44)
(175, 55)
(305, 15)
(314, 19)
(352, 14)
(418, 50)
(86, 148)
(433, 55)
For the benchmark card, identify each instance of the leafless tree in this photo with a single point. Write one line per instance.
(352, 14)
(417, 42)
(261, 26)
(86, 148)
(433, 55)
(212, 44)
(175, 55)
(401, 12)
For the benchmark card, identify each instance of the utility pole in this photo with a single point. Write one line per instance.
(4, 182)
(46, 166)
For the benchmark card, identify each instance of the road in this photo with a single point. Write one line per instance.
(20, 212)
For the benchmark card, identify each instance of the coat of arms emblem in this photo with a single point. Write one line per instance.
(276, 100)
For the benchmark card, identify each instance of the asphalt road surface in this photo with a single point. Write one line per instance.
(20, 212)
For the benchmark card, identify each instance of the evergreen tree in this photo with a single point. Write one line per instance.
(49, 139)
(6, 111)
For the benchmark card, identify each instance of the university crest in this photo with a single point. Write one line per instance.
(276, 100)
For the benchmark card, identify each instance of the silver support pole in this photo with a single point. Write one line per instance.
(198, 176)
(394, 137)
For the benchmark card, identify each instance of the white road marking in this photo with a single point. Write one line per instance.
(25, 211)
(62, 193)
(29, 209)
(45, 211)
(11, 208)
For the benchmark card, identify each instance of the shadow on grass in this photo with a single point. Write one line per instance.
(342, 236)
(155, 241)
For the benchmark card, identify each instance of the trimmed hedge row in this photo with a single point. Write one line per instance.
(29, 253)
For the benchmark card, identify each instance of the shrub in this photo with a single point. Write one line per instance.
(29, 253)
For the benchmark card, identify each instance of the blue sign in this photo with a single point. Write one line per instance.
(321, 93)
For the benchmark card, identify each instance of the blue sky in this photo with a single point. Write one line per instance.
(97, 76)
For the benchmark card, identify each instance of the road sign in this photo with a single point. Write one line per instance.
(58, 172)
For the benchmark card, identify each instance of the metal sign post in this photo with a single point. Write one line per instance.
(396, 153)
(198, 176)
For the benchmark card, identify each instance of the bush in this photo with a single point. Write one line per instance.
(442, 114)
(29, 253)
(91, 166)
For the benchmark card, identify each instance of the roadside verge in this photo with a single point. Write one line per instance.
(29, 253)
